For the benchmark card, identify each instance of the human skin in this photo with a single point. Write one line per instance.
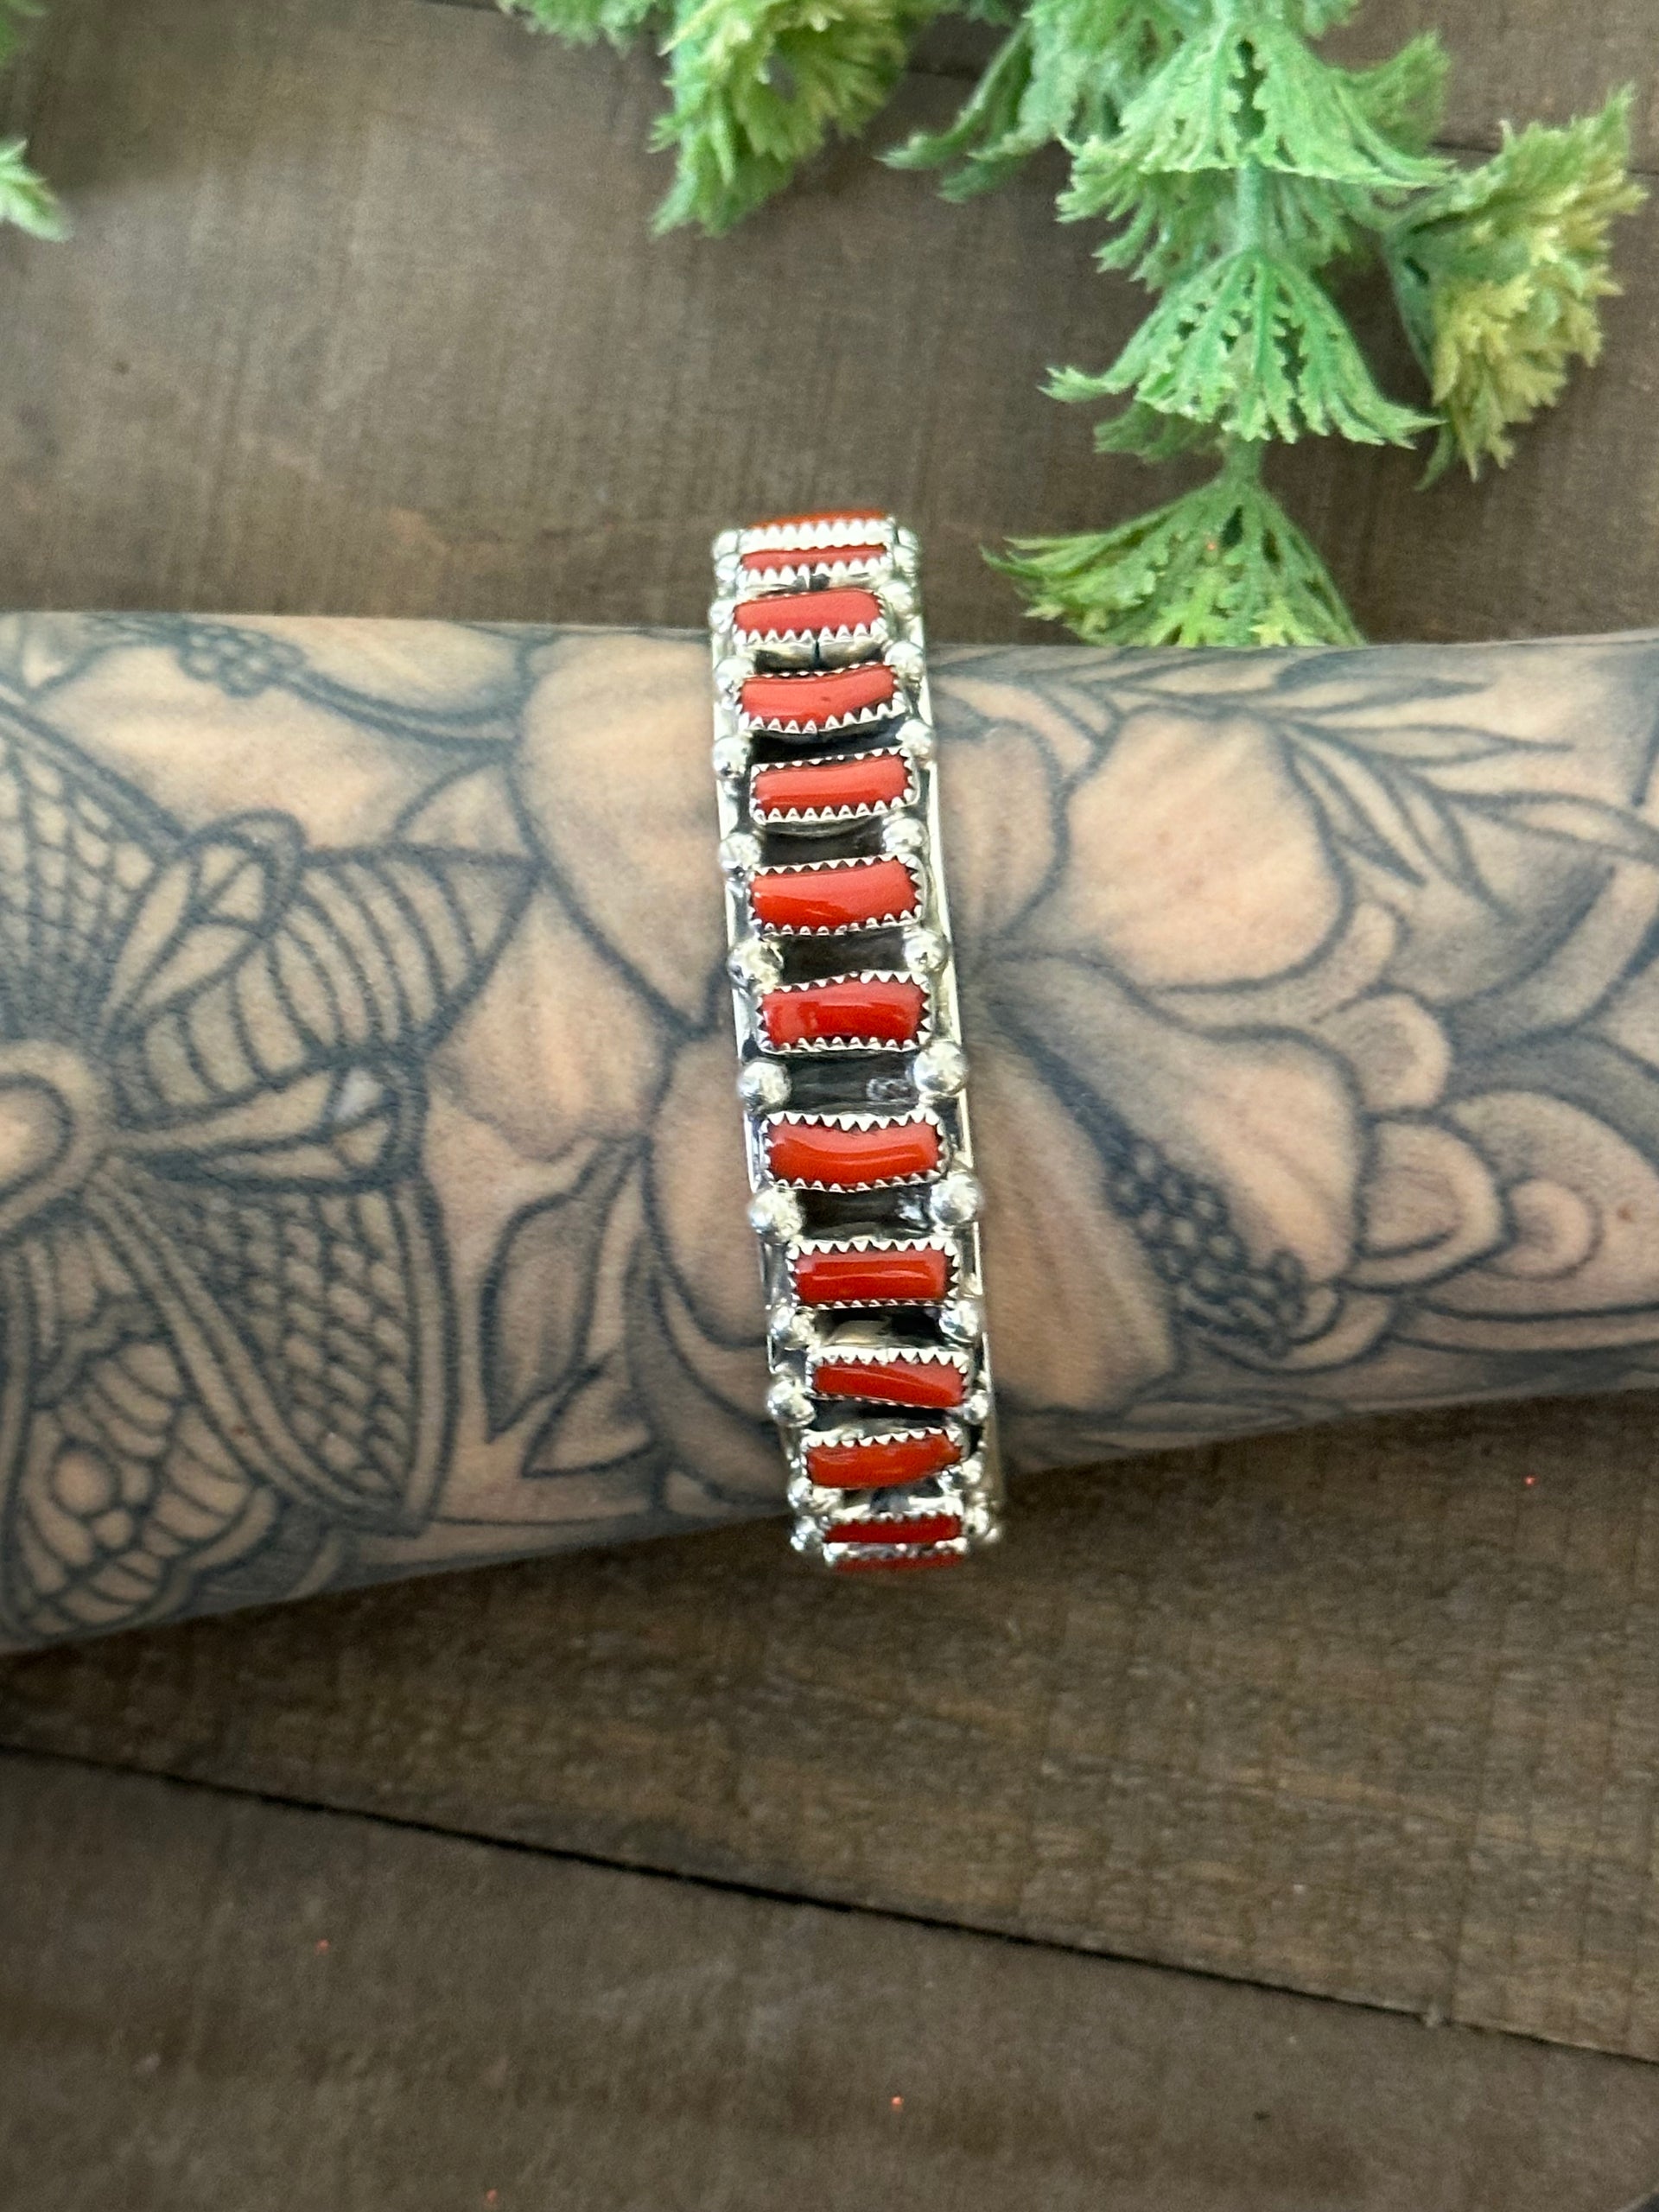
(371, 1196)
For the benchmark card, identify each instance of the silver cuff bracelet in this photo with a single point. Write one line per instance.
(851, 1071)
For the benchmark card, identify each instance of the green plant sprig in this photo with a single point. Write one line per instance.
(1239, 174)
(26, 199)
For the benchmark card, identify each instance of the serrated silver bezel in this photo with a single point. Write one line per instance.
(869, 717)
(867, 1241)
(815, 1047)
(855, 1118)
(937, 1487)
(843, 646)
(887, 1215)
(840, 1351)
(836, 817)
(914, 865)
(814, 533)
(803, 573)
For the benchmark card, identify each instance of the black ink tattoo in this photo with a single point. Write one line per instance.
(1349, 1195)
(1260, 923)
(229, 1335)
(371, 1201)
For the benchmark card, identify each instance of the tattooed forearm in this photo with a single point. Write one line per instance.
(370, 1195)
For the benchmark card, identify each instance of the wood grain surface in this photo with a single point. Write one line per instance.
(1373, 1714)
(317, 2014)
(362, 315)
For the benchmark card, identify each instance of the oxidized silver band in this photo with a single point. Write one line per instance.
(851, 1069)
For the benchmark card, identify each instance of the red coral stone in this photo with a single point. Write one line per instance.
(805, 901)
(893, 1275)
(805, 613)
(808, 787)
(767, 559)
(914, 1529)
(829, 1156)
(895, 1381)
(854, 1009)
(815, 701)
(879, 1462)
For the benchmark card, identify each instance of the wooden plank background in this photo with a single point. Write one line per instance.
(378, 2018)
(1370, 1715)
(363, 316)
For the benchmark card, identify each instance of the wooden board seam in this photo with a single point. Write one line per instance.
(1434, 2017)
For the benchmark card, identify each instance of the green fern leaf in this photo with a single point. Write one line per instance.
(1089, 58)
(582, 22)
(1252, 346)
(1498, 275)
(760, 86)
(1223, 565)
(1151, 436)
(1314, 17)
(986, 139)
(1174, 222)
(25, 199)
(1251, 93)
(13, 16)
(1403, 99)
(1064, 74)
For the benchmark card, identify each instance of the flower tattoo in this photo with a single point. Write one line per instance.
(1318, 1125)
(370, 1196)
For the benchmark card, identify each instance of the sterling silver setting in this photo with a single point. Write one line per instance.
(754, 1031)
(792, 872)
(834, 816)
(851, 1078)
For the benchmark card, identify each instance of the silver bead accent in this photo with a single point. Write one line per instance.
(940, 1069)
(754, 963)
(793, 1328)
(925, 951)
(776, 1213)
(789, 1402)
(774, 1087)
(903, 834)
(764, 1084)
(961, 1319)
(954, 1199)
(979, 1518)
(731, 757)
(739, 855)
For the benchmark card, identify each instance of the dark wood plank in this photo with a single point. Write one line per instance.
(209, 2002)
(1522, 60)
(364, 315)
(1373, 1714)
